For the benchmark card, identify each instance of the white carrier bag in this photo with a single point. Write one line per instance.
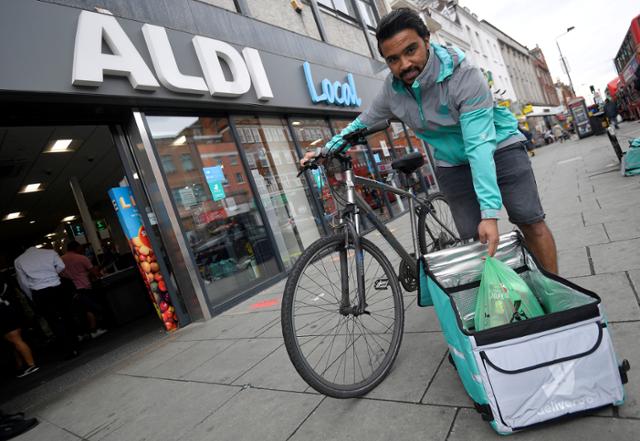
(527, 372)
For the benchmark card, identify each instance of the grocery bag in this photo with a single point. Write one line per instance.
(631, 160)
(503, 297)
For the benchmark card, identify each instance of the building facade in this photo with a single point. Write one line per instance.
(544, 77)
(204, 109)
(520, 68)
(564, 93)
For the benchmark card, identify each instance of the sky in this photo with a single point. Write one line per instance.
(589, 49)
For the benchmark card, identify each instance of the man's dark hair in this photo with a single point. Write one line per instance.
(74, 246)
(399, 20)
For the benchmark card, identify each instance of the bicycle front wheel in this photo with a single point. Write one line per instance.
(436, 227)
(340, 354)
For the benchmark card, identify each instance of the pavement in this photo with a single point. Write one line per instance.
(230, 378)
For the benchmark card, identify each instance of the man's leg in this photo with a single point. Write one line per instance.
(457, 186)
(540, 241)
(520, 198)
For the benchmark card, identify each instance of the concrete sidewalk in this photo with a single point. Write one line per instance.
(230, 378)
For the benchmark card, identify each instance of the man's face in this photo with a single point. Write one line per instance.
(406, 54)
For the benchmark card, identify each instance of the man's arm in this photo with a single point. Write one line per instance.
(475, 104)
(377, 111)
(58, 264)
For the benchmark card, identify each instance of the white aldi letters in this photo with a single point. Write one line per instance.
(90, 64)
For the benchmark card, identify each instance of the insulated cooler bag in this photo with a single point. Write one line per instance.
(528, 372)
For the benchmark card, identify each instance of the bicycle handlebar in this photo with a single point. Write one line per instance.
(355, 137)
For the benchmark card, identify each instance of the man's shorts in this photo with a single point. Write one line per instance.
(517, 187)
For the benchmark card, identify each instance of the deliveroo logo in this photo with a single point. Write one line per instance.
(563, 382)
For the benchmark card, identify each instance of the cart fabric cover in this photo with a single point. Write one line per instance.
(631, 159)
(531, 371)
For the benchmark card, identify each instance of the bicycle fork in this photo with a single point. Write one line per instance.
(352, 230)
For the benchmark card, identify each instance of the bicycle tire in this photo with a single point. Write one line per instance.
(431, 235)
(293, 341)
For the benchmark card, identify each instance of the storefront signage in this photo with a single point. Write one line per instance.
(342, 94)
(90, 64)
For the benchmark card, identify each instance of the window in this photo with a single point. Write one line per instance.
(347, 8)
(167, 164)
(226, 233)
(187, 163)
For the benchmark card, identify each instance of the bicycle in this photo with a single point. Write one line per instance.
(342, 308)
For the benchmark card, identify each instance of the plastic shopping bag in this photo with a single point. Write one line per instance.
(503, 297)
(631, 159)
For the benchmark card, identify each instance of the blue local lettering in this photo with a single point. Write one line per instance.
(342, 94)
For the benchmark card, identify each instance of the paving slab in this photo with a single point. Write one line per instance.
(625, 339)
(236, 360)
(416, 364)
(119, 407)
(275, 372)
(616, 293)
(373, 420)
(616, 256)
(573, 263)
(155, 356)
(419, 319)
(576, 237)
(47, 431)
(257, 415)
(447, 389)
(469, 426)
(184, 362)
(622, 229)
(230, 326)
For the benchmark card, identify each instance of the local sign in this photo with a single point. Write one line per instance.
(90, 64)
(336, 92)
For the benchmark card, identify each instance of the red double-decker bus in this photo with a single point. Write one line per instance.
(627, 62)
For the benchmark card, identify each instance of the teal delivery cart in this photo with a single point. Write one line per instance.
(528, 372)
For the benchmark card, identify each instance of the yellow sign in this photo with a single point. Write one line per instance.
(527, 109)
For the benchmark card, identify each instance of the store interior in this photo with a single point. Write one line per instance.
(44, 172)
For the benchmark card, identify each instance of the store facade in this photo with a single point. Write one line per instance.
(210, 126)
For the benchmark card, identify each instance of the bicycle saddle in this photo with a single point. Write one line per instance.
(408, 163)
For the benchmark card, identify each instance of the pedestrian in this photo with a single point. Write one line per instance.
(37, 271)
(11, 330)
(79, 269)
(548, 137)
(480, 154)
(558, 132)
(611, 111)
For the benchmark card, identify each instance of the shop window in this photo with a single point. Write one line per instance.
(239, 178)
(288, 203)
(365, 167)
(222, 224)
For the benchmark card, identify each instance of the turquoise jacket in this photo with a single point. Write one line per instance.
(449, 106)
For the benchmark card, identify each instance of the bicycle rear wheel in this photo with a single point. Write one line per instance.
(341, 355)
(432, 236)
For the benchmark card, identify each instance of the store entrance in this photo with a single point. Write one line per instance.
(66, 200)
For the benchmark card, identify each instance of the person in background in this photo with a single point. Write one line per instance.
(558, 133)
(611, 111)
(79, 269)
(37, 271)
(548, 137)
(12, 331)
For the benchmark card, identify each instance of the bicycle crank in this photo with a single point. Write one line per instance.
(407, 277)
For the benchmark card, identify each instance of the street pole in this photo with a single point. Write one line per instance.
(564, 63)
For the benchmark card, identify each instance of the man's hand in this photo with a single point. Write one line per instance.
(488, 232)
(308, 156)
